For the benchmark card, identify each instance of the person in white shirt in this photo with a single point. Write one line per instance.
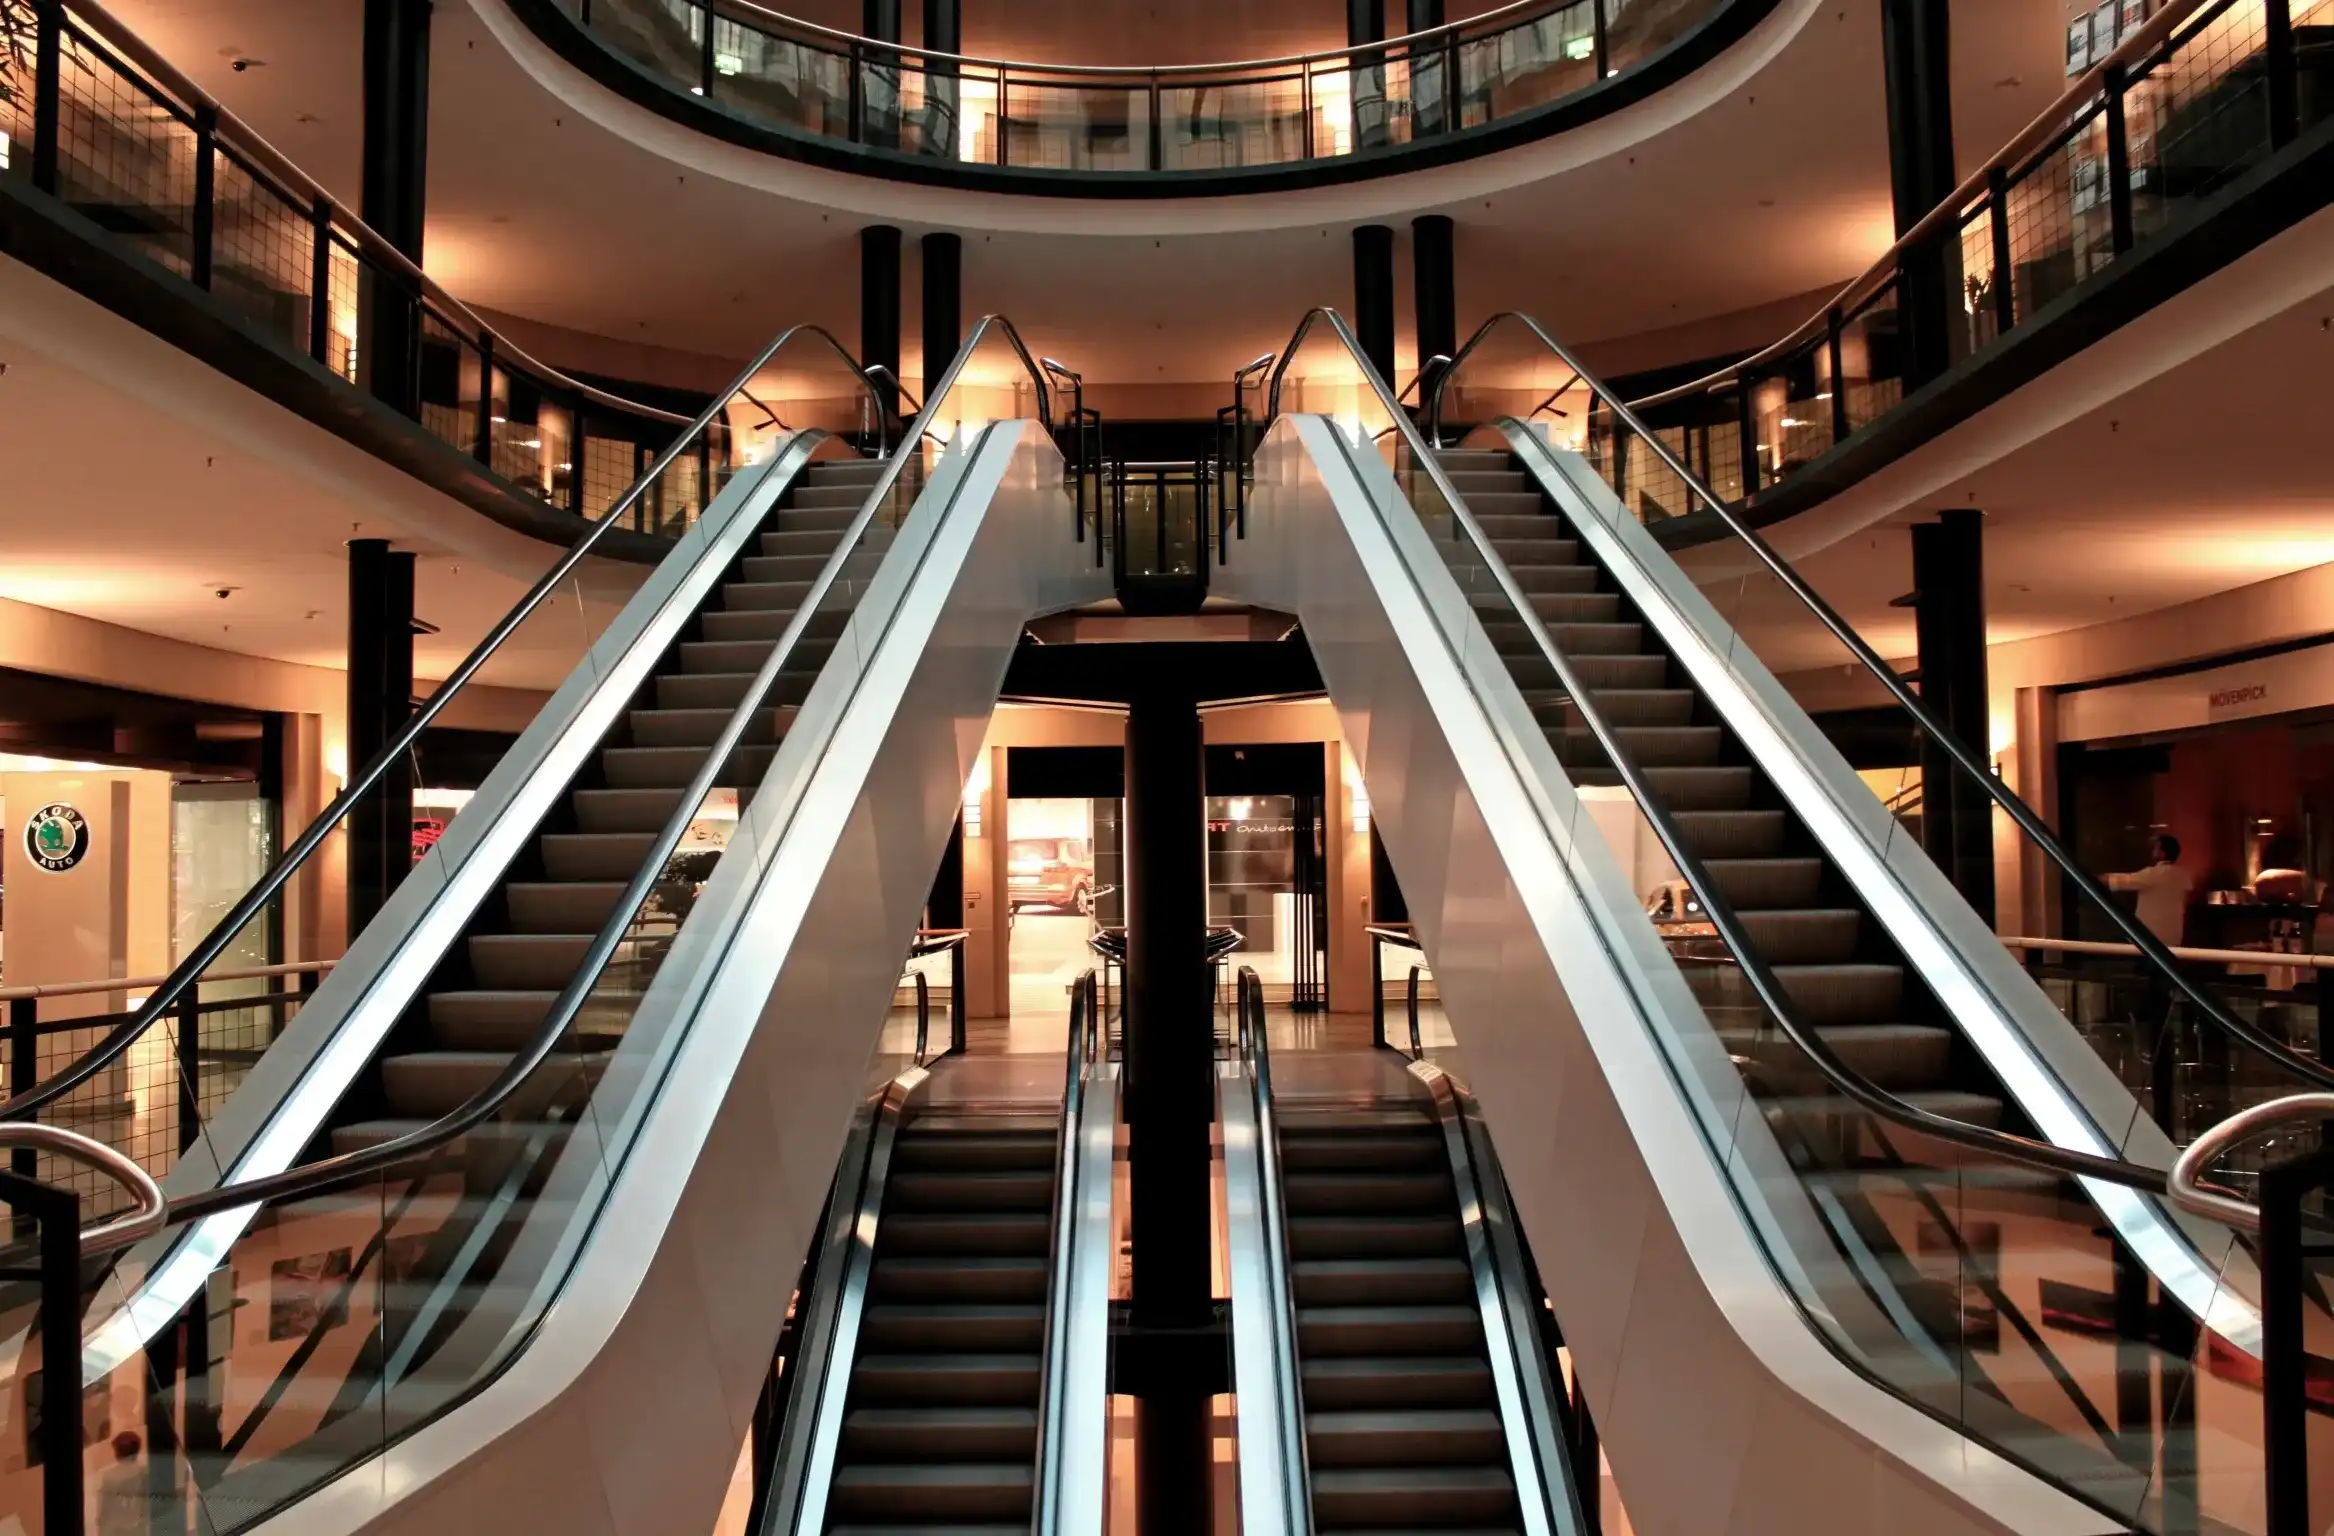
(2162, 888)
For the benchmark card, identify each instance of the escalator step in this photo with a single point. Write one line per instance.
(593, 855)
(940, 1434)
(930, 1233)
(631, 810)
(920, 1148)
(892, 1328)
(700, 727)
(1381, 1496)
(961, 1380)
(1731, 834)
(1397, 1382)
(1312, 1194)
(1422, 1148)
(946, 1491)
(1825, 994)
(1385, 1330)
(1354, 1282)
(1535, 575)
(1364, 1438)
(1804, 936)
(488, 1021)
(677, 767)
(1333, 1237)
(1012, 1189)
(563, 906)
(960, 1278)
(1778, 882)
(1892, 1055)
(758, 625)
(429, 1084)
(526, 962)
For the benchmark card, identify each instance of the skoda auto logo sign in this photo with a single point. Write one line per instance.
(56, 838)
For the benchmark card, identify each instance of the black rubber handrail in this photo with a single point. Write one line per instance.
(189, 971)
(2152, 949)
(1770, 992)
(336, 1171)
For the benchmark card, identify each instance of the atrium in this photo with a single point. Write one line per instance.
(1139, 768)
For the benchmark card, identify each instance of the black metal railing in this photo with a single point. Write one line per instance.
(94, 117)
(807, 81)
(2141, 145)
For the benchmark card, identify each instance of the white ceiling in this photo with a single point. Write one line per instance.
(2206, 477)
(141, 483)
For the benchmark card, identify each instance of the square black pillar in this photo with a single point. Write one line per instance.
(943, 305)
(1435, 295)
(380, 698)
(879, 308)
(1169, 1096)
(1433, 82)
(1917, 58)
(1365, 22)
(393, 192)
(1957, 825)
(943, 33)
(1373, 296)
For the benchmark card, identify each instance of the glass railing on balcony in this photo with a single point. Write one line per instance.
(2144, 143)
(94, 118)
(806, 81)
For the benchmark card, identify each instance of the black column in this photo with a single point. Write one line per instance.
(1170, 1101)
(880, 19)
(1373, 296)
(380, 695)
(943, 33)
(1435, 294)
(943, 305)
(1917, 56)
(393, 190)
(1432, 83)
(1957, 825)
(1365, 22)
(879, 306)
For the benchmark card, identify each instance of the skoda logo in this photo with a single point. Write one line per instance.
(56, 838)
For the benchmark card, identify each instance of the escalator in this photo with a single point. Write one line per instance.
(491, 993)
(650, 936)
(1389, 1346)
(1806, 919)
(1958, 1200)
(956, 1371)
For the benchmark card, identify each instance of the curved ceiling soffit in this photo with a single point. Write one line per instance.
(883, 200)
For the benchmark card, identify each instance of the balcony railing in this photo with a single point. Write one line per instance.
(94, 118)
(2194, 95)
(808, 82)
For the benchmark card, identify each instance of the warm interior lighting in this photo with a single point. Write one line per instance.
(976, 789)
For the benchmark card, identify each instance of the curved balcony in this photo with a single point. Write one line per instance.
(778, 84)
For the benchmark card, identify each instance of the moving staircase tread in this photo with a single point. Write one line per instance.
(959, 1277)
(1375, 1331)
(1372, 1497)
(953, 1327)
(965, 1433)
(945, 1188)
(1333, 1282)
(1372, 1191)
(1395, 1381)
(1382, 1437)
(700, 727)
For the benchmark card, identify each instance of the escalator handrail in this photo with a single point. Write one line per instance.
(1770, 991)
(819, 1393)
(1500, 1292)
(1255, 1049)
(342, 1168)
(1083, 1050)
(190, 970)
(2191, 1193)
(2152, 949)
